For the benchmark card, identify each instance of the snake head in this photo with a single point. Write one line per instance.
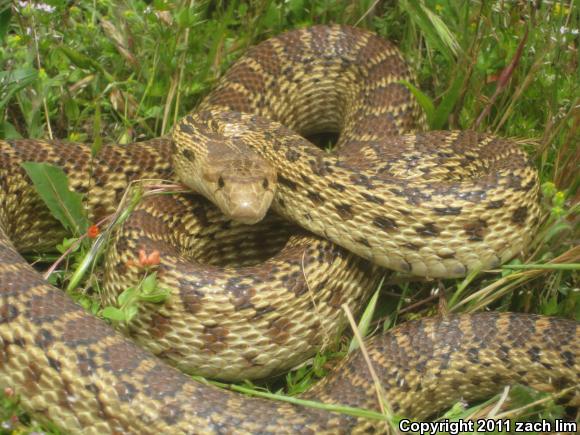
(214, 160)
(243, 188)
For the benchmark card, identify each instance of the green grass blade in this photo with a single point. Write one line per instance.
(342, 409)
(367, 317)
(571, 266)
(436, 32)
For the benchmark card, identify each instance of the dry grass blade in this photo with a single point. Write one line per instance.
(367, 12)
(120, 41)
(381, 395)
(499, 288)
(500, 402)
(519, 411)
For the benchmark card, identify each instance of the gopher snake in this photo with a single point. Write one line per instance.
(76, 371)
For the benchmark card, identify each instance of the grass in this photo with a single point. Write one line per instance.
(102, 71)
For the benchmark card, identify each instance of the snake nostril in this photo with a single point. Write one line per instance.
(221, 182)
(265, 183)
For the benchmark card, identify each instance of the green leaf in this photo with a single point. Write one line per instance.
(51, 183)
(13, 81)
(550, 307)
(149, 284)
(5, 16)
(296, 6)
(439, 119)
(114, 314)
(66, 244)
(71, 108)
(130, 312)
(54, 278)
(80, 60)
(8, 131)
(157, 296)
(85, 62)
(423, 99)
(127, 294)
(455, 412)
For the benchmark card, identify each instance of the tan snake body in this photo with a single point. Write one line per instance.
(73, 369)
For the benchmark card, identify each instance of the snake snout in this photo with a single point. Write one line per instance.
(249, 204)
(246, 187)
(246, 213)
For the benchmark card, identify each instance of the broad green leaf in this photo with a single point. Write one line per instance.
(51, 183)
(114, 314)
(155, 297)
(14, 80)
(130, 312)
(8, 131)
(149, 283)
(423, 99)
(126, 295)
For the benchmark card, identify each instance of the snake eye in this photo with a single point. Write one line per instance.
(221, 182)
(265, 183)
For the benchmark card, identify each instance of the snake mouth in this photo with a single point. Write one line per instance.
(246, 212)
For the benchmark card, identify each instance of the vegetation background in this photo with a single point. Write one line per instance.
(99, 71)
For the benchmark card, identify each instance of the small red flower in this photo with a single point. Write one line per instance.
(148, 260)
(93, 231)
(8, 392)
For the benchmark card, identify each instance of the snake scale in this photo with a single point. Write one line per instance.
(439, 204)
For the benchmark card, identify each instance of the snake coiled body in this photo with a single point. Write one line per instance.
(76, 371)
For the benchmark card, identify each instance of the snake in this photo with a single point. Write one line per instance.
(432, 204)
